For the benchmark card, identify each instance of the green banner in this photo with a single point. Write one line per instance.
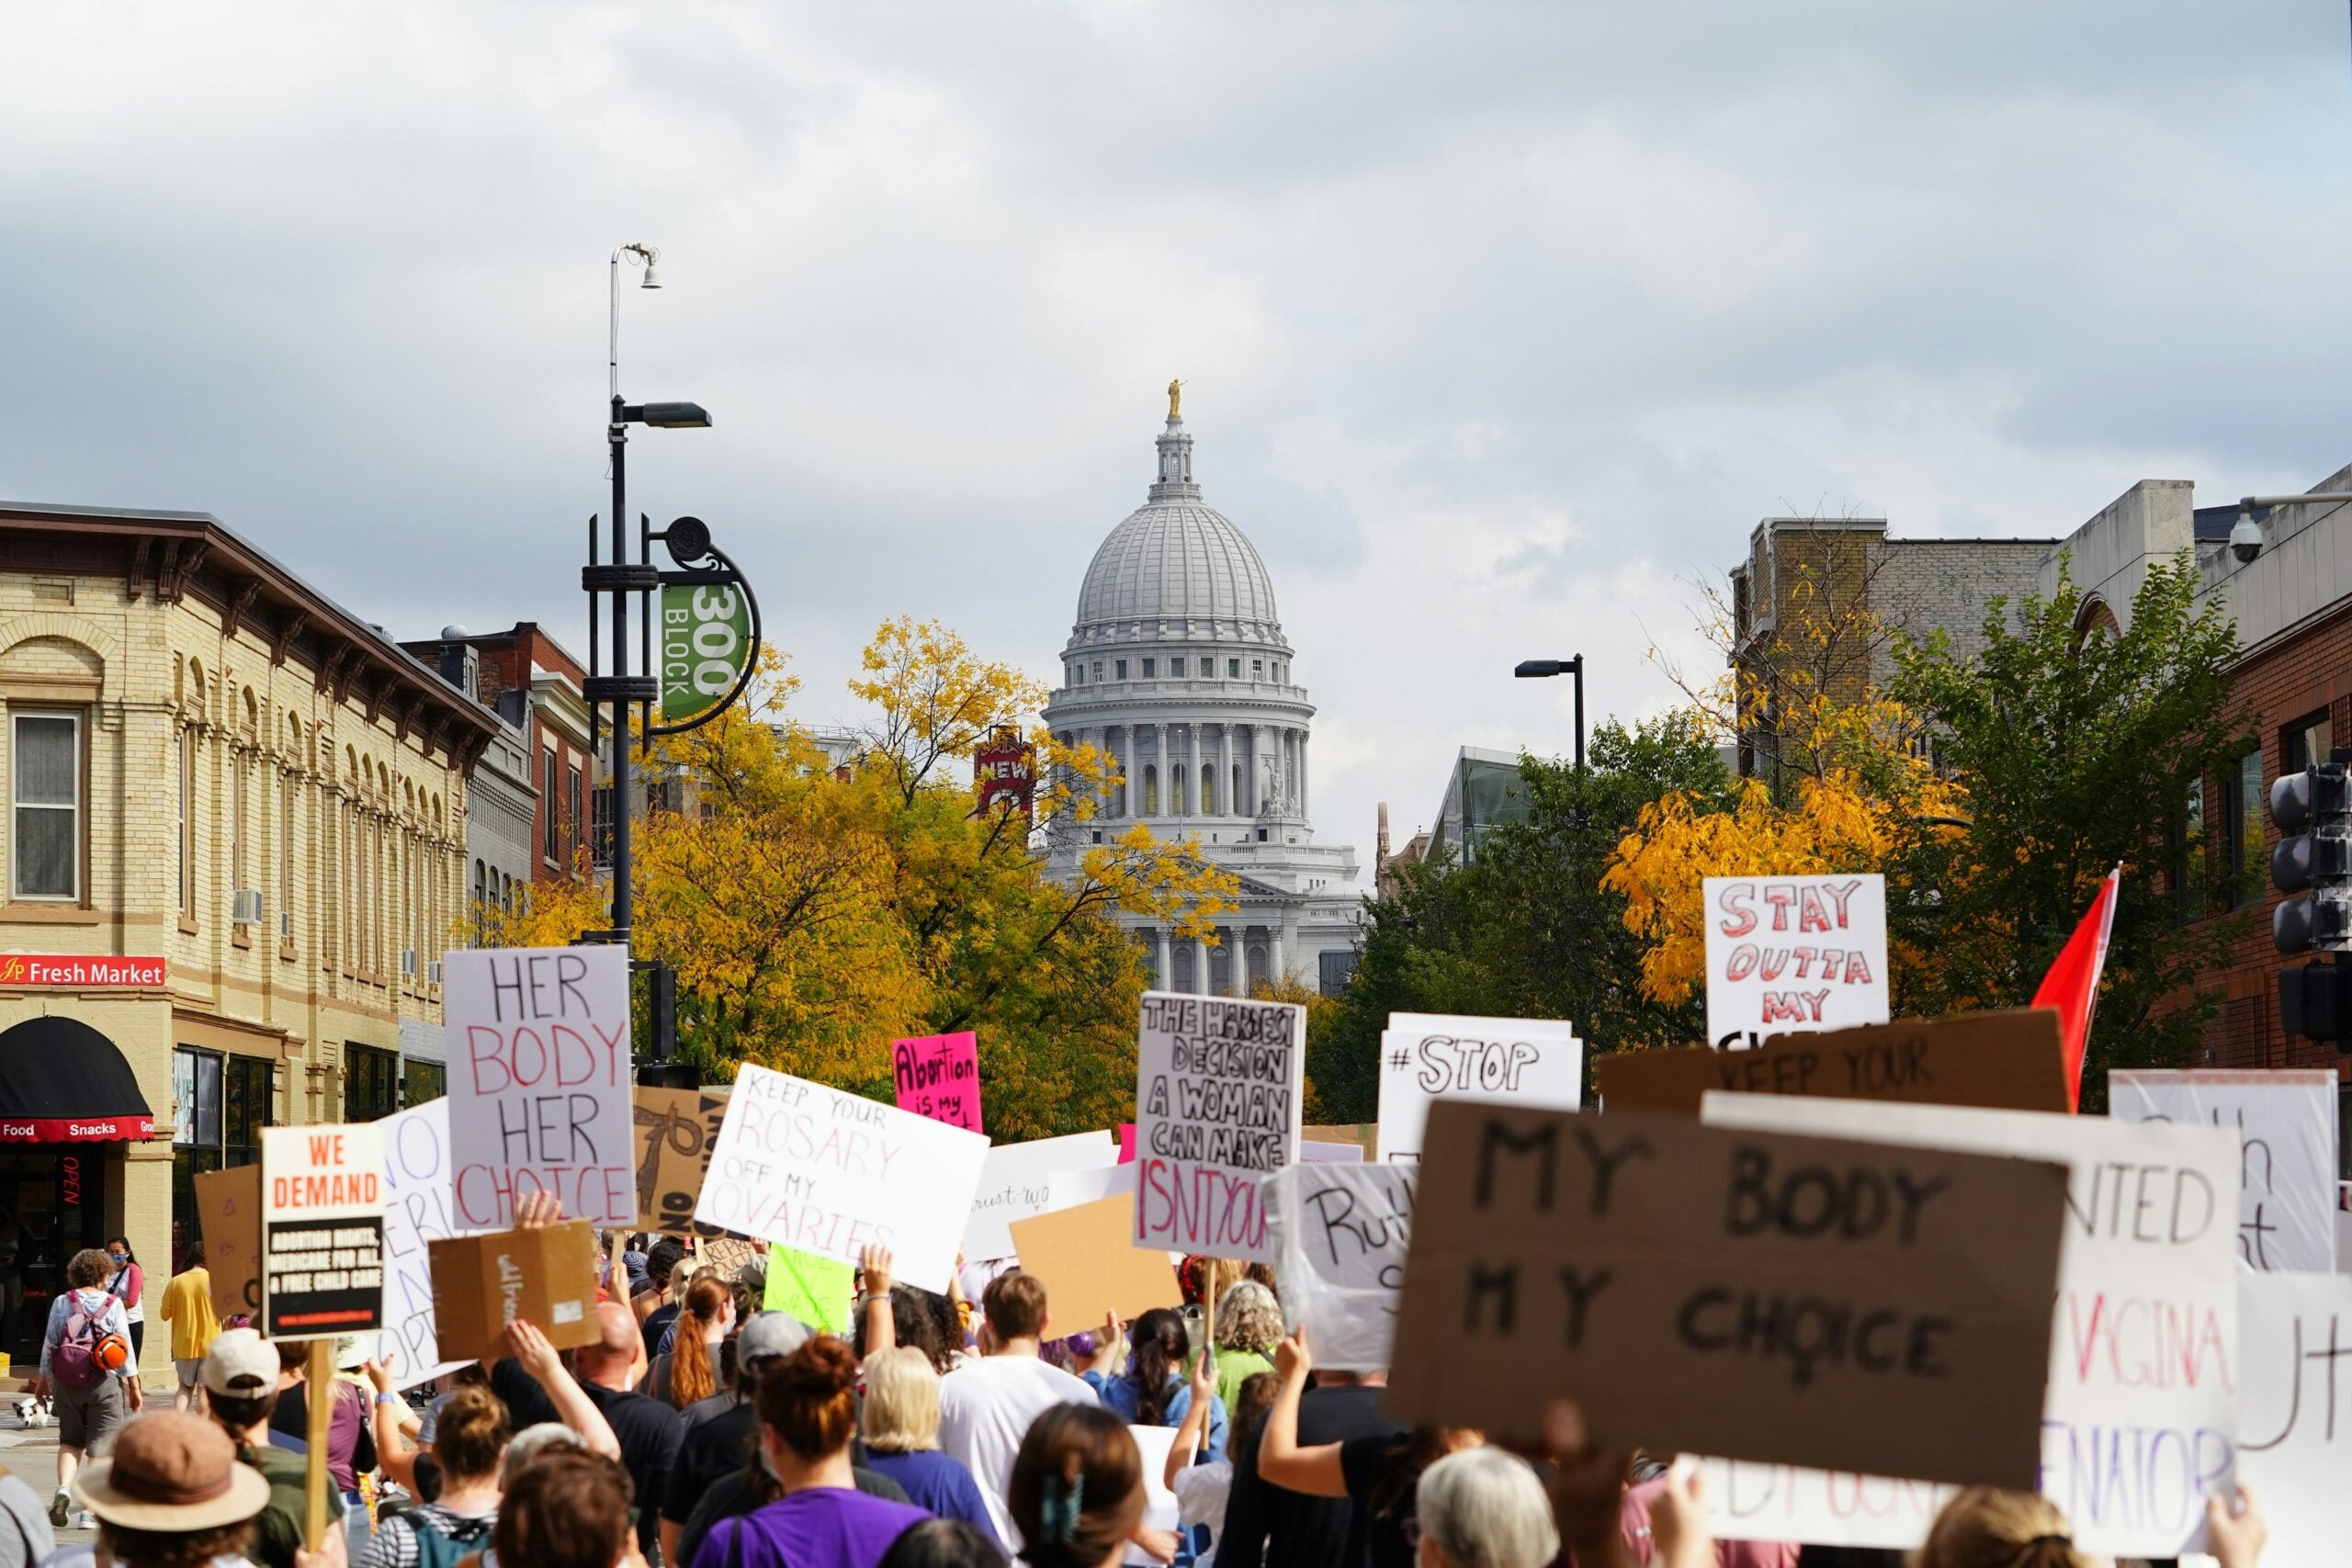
(705, 641)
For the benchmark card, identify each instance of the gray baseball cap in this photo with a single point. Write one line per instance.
(767, 1334)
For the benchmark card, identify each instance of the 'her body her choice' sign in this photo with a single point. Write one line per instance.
(2294, 1438)
(2287, 1172)
(1427, 1057)
(539, 1081)
(805, 1166)
(1768, 1297)
(938, 1075)
(2143, 1337)
(1794, 952)
(418, 1210)
(1218, 1086)
(1339, 1234)
(321, 1230)
(2003, 1061)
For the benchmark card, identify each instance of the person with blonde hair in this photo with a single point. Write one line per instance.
(1248, 1326)
(1985, 1526)
(902, 1429)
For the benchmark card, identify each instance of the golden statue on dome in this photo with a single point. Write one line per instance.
(1175, 400)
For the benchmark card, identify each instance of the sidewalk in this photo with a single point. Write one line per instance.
(32, 1455)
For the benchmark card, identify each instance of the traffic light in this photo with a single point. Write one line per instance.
(2313, 862)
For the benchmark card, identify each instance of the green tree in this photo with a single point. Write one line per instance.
(2077, 752)
(1526, 928)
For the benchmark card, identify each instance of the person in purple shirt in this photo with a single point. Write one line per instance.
(902, 1438)
(808, 1410)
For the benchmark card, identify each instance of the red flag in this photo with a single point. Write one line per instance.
(2072, 985)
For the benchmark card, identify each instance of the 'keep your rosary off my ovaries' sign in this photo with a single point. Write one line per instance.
(1217, 1084)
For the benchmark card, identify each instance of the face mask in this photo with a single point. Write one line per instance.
(119, 1258)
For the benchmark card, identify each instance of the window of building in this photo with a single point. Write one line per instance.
(1150, 790)
(550, 799)
(2307, 740)
(1208, 790)
(45, 762)
(1120, 667)
(1256, 670)
(2189, 870)
(2242, 809)
(285, 855)
(1233, 668)
(421, 1081)
(240, 823)
(1097, 670)
(600, 806)
(1334, 970)
(1150, 668)
(371, 1082)
(186, 836)
(1176, 666)
(222, 1103)
(575, 825)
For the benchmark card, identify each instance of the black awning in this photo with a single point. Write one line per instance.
(64, 1082)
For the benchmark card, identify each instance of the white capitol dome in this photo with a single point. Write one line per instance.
(1177, 666)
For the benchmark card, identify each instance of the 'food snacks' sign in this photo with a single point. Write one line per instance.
(1786, 953)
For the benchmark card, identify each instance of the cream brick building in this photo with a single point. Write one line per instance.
(184, 720)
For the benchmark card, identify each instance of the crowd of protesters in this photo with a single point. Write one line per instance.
(698, 1429)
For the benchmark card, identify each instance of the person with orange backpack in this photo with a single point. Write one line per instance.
(88, 1369)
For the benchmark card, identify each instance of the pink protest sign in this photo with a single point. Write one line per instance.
(939, 1076)
(1126, 1143)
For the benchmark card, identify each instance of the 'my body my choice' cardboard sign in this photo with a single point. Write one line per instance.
(2004, 1061)
(1426, 1057)
(1217, 1085)
(539, 1079)
(810, 1167)
(2142, 1343)
(1794, 952)
(1818, 1302)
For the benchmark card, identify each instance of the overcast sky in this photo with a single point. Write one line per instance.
(1502, 323)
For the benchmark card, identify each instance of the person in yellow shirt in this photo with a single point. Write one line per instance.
(188, 1307)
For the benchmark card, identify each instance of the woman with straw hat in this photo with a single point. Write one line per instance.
(172, 1495)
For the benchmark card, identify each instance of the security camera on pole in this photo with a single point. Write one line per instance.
(715, 611)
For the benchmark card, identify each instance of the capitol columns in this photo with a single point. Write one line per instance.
(1274, 950)
(1163, 975)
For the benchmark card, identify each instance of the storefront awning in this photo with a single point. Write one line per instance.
(64, 1082)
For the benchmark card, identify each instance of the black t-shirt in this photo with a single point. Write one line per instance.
(649, 1431)
(1270, 1524)
(733, 1497)
(714, 1449)
(1361, 1461)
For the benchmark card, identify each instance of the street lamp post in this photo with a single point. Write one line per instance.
(620, 577)
(1531, 669)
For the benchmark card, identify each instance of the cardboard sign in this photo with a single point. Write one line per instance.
(1789, 953)
(1340, 1234)
(2285, 1121)
(1761, 1296)
(675, 1128)
(2003, 1061)
(1217, 1091)
(1016, 1182)
(938, 1075)
(228, 1213)
(1088, 1266)
(1427, 1057)
(804, 1165)
(2142, 1409)
(540, 1081)
(321, 1230)
(817, 1291)
(546, 1277)
(2294, 1437)
(418, 1210)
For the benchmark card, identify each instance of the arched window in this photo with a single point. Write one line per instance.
(1150, 790)
(1119, 797)
(1208, 790)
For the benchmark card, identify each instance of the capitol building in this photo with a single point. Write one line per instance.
(1178, 669)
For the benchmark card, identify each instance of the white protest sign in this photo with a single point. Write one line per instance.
(1790, 954)
(1313, 1151)
(1014, 1185)
(1217, 1091)
(810, 1167)
(2140, 1412)
(1823, 1507)
(2287, 1171)
(1072, 1189)
(321, 1230)
(1425, 1056)
(540, 1082)
(418, 1208)
(2293, 1435)
(1339, 1235)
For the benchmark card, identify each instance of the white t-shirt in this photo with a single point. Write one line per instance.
(985, 1410)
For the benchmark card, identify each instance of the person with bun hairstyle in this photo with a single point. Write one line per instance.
(808, 1414)
(1986, 1527)
(1077, 1490)
(470, 1438)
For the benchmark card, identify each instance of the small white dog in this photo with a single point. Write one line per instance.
(34, 1411)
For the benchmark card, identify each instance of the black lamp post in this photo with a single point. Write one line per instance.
(1531, 669)
(620, 578)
